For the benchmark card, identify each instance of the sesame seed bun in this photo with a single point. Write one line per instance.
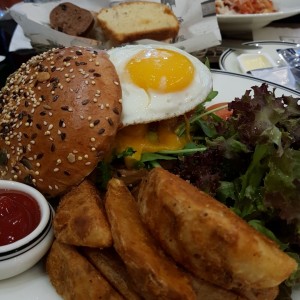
(60, 113)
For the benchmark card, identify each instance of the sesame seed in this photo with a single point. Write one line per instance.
(71, 158)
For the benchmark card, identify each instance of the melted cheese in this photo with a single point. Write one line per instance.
(151, 137)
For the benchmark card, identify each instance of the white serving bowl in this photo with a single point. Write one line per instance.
(24, 253)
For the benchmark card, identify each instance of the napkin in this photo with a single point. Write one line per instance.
(19, 40)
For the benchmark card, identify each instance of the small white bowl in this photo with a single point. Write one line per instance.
(255, 61)
(24, 253)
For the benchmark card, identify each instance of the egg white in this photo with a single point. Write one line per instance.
(140, 106)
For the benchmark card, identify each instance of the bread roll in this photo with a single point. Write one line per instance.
(130, 21)
(71, 19)
(60, 113)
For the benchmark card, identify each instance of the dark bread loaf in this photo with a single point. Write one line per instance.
(59, 115)
(71, 19)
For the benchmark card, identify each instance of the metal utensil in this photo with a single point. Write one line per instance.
(237, 45)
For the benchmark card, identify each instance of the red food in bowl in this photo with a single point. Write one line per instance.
(19, 215)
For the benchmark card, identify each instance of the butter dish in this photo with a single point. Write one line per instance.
(255, 61)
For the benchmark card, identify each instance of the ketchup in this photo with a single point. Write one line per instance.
(19, 215)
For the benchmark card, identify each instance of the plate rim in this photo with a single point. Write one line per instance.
(223, 17)
(276, 85)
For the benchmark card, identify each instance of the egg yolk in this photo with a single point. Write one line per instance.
(160, 70)
(144, 138)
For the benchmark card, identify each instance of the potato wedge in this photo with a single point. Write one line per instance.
(155, 276)
(74, 277)
(110, 265)
(208, 238)
(80, 219)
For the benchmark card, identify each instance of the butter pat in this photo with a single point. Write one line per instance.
(255, 61)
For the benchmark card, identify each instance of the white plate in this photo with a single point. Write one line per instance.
(249, 22)
(34, 284)
(228, 60)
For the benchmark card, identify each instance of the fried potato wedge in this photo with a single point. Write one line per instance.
(154, 275)
(208, 291)
(80, 219)
(110, 265)
(207, 238)
(74, 277)
(262, 294)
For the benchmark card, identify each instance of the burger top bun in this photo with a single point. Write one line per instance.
(59, 114)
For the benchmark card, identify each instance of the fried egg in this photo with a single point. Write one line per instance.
(159, 82)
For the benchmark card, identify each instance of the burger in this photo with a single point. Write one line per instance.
(62, 109)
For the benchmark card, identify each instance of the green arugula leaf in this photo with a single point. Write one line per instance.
(256, 171)
(105, 174)
(147, 157)
(282, 184)
(127, 152)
